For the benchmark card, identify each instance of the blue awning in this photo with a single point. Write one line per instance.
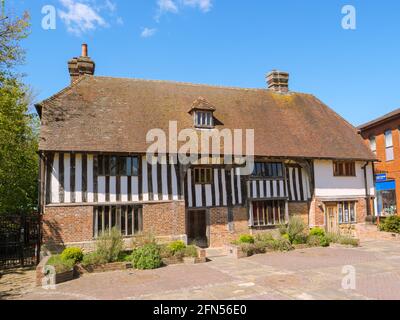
(386, 185)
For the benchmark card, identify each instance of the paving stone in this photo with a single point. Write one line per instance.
(308, 274)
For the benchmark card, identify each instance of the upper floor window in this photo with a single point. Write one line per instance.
(204, 119)
(389, 145)
(372, 143)
(268, 169)
(344, 168)
(203, 176)
(118, 166)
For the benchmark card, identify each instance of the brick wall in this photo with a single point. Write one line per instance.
(62, 225)
(219, 231)
(317, 214)
(164, 219)
(300, 209)
(392, 168)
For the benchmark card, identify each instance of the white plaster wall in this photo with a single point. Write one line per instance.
(327, 185)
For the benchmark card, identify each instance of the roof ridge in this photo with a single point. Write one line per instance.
(200, 85)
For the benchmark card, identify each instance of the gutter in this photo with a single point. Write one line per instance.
(367, 194)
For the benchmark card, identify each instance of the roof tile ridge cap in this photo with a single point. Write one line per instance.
(65, 90)
(189, 84)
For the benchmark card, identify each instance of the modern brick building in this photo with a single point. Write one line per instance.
(95, 171)
(383, 137)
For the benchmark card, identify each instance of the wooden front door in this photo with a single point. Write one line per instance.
(197, 227)
(331, 219)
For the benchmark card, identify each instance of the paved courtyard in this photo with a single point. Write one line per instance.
(302, 274)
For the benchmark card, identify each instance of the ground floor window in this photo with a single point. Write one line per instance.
(347, 212)
(127, 219)
(386, 198)
(268, 213)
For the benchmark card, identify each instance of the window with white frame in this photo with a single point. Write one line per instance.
(203, 119)
(347, 212)
(126, 219)
(372, 143)
(389, 145)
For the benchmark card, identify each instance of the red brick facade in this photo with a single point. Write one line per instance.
(66, 224)
(164, 219)
(220, 233)
(391, 167)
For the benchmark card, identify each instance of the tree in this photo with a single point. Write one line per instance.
(18, 129)
(12, 31)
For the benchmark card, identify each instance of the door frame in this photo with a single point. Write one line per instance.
(327, 206)
(207, 217)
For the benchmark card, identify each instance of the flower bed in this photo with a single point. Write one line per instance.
(293, 236)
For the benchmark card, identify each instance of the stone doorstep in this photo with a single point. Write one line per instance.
(215, 252)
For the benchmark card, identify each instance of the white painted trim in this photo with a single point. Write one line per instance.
(67, 178)
(145, 190)
(78, 177)
(135, 188)
(55, 182)
(90, 195)
(216, 185)
(124, 189)
(101, 189)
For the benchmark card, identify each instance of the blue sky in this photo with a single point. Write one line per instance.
(227, 42)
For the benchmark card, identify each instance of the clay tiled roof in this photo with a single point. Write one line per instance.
(202, 104)
(114, 115)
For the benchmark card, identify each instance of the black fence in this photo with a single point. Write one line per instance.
(20, 237)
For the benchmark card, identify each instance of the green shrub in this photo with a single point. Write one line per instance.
(177, 246)
(246, 238)
(296, 227)
(314, 241)
(333, 237)
(147, 257)
(264, 237)
(109, 245)
(318, 238)
(317, 231)
(165, 251)
(390, 224)
(59, 264)
(282, 229)
(300, 239)
(143, 239)
(349, 241)
(93, 259)
(281, 244)
(343, 239)
(285, 236)
(191, 252)
(74, 254)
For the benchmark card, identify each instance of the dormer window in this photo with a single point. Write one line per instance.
(203, 119)
(203, 113)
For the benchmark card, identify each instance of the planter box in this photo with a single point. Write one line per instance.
(234, 251)
(115, 266)
(64, 276)
(172, 260)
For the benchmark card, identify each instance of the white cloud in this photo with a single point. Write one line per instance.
(203, 5)
(174, 6)
(80, 17)
(167, 6)
(148, 32)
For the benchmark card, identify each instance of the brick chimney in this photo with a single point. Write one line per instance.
(278, 81)
(79, 66)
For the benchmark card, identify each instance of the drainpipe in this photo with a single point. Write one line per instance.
(367, 195)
